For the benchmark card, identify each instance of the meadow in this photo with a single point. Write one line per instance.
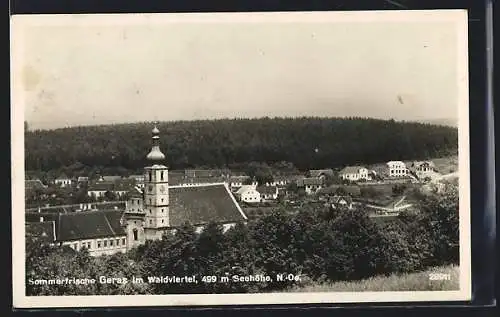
(417, 281)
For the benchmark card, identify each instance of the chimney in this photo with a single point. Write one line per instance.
(41, 219)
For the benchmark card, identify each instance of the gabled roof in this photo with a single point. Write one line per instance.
(175, 177)
(34, 184)
(136, 176)
(396, 163)
(318, 173)
(309, 181)
(202, 172)
(101, 186)
(267, 189)
(238, 179)
(203, 179)
(417, 164)
(351, 169)
(62, 177)
(111, 178)
(89, 225)
(244, 189)
(43, 231)
(203, 204)
(135, 193)
(122, 185)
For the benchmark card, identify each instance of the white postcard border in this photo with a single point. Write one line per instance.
(20, 300)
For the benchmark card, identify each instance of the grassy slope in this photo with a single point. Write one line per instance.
(403, 282)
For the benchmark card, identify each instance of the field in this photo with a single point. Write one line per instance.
(419, 281)
(446, 165)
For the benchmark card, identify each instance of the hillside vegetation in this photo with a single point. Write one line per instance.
(306, 142)
(418, 281)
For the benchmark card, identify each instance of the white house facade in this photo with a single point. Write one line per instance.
(248, 194)
(355, 173)
(397, 169)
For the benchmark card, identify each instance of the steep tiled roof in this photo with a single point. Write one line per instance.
(202, 204)
(122, 185)
(43, 231)
(30, 184)
(245, 188)
(318, 173)
(111, 178)
(267, 189)
(203, 180)
(135, 193)
(197, 205)
(175, 177)
(202, 173)
(309, 181)
(238, 179)
(62, 177)
(351, 169)
(101, 186)
(420, 163)
(89, 225)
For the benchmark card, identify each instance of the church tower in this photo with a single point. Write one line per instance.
(156, 199)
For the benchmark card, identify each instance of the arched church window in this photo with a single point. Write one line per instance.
(135, 235)
(161, 175)
(150, 176)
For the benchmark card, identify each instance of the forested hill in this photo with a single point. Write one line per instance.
(306, 142)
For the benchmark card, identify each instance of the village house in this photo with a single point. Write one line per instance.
(248, 194)
(268, 193)
(82, 179)
(354, 173)
(109, 178)
(310, 184)
(278, 181)
(99, 232)
(321, 173)
(148, 214)
(138, 179)
(63, 181)
(119, 188)
(34, 184)
(423, 169)
(199, 180)
(235, 182)
(397, 169)
(98, 190)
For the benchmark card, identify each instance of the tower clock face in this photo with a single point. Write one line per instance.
(150, 188)
(162, 189)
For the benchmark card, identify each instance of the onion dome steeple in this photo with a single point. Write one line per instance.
(155, 154)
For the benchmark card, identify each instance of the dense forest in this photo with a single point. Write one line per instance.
(319, 244)
(306, 142)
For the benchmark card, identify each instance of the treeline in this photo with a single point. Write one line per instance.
(319, 245)
(306, 142)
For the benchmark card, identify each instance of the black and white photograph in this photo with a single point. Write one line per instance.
(240, 158)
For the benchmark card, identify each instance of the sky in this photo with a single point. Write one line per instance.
(95, 70)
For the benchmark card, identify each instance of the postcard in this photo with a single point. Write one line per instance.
(204, 159)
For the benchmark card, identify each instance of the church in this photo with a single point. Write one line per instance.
(150, 212)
